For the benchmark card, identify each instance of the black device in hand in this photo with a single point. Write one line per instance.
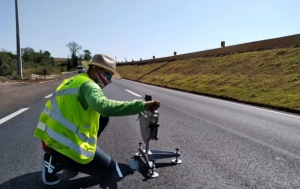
(155, 103)
(148, 98)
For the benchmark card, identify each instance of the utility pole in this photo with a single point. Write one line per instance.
(18, 42)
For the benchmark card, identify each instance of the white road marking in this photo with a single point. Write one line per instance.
(48, 96)
(12, 115)
(119, 171)
(133, 93)
(219, 100)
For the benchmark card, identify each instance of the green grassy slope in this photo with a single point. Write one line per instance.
(270, 77)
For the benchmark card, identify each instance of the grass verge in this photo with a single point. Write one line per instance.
(268, 78)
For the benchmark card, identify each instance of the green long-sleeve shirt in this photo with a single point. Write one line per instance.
(91, 96)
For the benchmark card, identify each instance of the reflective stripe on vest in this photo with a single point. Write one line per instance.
(60, 119)
(57, 115)
(64, 140)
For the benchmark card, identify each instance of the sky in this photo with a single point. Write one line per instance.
(135, 29)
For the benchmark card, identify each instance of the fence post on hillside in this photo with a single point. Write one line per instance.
(222, 43)
(153, 57)
(175, 53)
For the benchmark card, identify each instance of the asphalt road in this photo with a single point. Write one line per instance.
(18, 95)
(223, 144)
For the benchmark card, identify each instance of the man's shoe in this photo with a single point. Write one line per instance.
(49, 170)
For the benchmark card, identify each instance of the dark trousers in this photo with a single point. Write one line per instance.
(102, 164)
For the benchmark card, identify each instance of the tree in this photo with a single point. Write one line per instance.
(9, 63)
(47, 54)
(27, 50)
(74, 61)
(87, 55)
(74, 48)
(38, 60)
(27, 54)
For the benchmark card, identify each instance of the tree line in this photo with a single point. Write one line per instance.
(37, 61)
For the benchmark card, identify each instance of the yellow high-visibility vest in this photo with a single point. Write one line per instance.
(65, 126)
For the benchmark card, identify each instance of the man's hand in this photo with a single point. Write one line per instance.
(152, 105)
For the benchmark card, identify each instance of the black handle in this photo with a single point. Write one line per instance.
(148, 98)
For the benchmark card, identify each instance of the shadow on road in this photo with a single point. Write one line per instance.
(68, 180)
(34, 181)
(143, 169)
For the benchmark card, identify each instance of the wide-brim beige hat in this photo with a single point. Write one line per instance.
(105, 62)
